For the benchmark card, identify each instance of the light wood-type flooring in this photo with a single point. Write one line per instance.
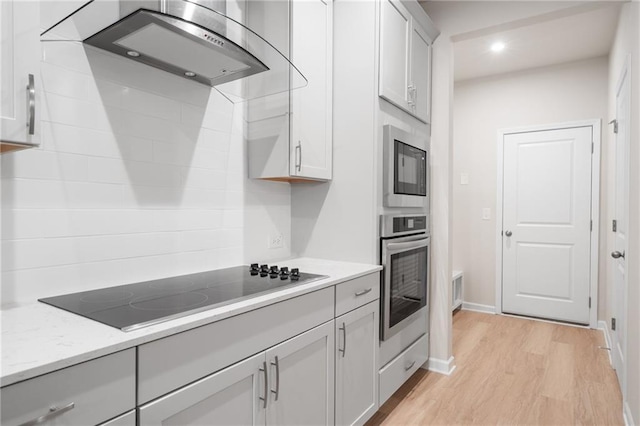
(512, 371)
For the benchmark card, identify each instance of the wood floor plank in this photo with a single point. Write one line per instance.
(512, 371)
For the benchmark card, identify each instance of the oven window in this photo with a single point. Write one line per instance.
(410, 170)
(408, 286)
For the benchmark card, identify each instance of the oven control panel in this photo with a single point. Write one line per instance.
(394, 225)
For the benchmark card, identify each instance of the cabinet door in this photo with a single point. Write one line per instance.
(20, 59)
(395, 31)
(420, 84)
(311, 106)
(229, 397)
(301, 372)
(356, 365)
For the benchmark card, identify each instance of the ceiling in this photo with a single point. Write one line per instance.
(536, 34)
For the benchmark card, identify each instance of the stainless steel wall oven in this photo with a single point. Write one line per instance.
(405, 256)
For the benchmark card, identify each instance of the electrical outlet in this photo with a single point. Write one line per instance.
(276, 241)
(486, 213)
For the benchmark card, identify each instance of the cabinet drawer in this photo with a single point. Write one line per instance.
(128, 419)
(357, 292)
(172, 362)
(394, 374)
(99, 390)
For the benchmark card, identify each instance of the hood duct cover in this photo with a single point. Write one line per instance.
(187, 39)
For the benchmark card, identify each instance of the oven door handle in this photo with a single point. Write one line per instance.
(408, 245)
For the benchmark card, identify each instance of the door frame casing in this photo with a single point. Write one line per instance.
(595, 205)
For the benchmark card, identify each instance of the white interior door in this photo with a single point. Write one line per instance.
(546, 256)
(619, 308)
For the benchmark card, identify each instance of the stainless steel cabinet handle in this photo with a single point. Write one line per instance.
(53, 412)
(410, 366)
(299, 156)
(344, 340)
(508, 233)
(266, 385)
(363, 292)
(617, 255)
(31, 96)
(277, 365)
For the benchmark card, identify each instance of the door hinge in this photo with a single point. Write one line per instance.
(592, 147)
(589, 303)
(613, 324)
(615, 125)
(591, 225)
(614, 226)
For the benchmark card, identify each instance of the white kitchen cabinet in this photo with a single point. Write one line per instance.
(19, 79)
(229, 397)
(84, 394)
(302, 379)
(289, 384)
(405, 61)
(290, 135)
(356, 365)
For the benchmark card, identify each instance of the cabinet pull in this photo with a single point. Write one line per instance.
(53, 412)
(277, 365)
(410, 366)
(31, 96)
(299, 156)
(266, 385)
(344, 340)
(363, 292)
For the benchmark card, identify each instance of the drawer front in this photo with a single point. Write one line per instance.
(99, 390)
(165, 364)
(128, 419)
(394, 374)
(357, 292)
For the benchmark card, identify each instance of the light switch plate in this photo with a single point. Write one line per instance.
(464, 178)
(486, 213)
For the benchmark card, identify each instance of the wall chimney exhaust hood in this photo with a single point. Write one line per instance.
(194, 39)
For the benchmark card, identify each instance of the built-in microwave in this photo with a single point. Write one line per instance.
(405, 170)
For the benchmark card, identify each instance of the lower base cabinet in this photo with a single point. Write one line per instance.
(289, 384)
(356, 365)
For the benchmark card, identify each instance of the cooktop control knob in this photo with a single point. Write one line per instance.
(273, 272)
(284, 273)
(254, 269)
(295, 274)
(264, 270)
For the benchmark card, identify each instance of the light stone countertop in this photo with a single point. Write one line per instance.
(38, 338)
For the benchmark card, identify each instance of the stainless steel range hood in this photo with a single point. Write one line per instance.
(194, 39)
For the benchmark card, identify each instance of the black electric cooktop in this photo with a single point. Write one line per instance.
(132, 306)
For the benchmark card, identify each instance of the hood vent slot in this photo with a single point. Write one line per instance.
(187, 39)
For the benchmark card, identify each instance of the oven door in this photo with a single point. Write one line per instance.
(406, 281)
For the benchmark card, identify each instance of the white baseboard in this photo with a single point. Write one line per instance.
(626, 414)
(477, 307)
(441, 366)
(603, 326)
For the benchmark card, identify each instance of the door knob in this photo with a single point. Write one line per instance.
(616, 254)
(508, 233)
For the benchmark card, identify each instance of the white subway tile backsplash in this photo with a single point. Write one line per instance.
(65, 82)
(150, 104)
(140, 175)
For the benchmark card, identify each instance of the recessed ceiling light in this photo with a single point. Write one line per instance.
(498, 46)
(133, 53)
(190, 74)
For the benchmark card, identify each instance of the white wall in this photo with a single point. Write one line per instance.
(627, 42)
(141, 174)
(568, 92)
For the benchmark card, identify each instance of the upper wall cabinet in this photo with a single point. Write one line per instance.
(405, 61)
(290, 134)
(20, 61)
